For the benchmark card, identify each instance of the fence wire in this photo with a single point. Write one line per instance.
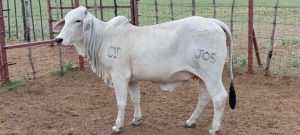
(286, 55)
(45, 59)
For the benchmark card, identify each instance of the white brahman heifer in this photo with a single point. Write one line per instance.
(167, 54)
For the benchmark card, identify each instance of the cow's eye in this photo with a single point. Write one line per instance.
(78, 21)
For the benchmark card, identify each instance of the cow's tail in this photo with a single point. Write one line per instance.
(232, 96)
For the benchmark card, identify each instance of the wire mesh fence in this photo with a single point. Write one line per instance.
(14, 17)
(286, 54)
(43, 60)
(32, 20)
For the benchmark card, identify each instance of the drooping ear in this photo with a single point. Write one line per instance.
(87, 23)
(59, 25)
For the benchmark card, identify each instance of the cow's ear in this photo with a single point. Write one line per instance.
(87, 23)
(59, 25)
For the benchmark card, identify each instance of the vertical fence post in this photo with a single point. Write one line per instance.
(50, 21)
(58, 15)
(8, 19)
(57, 10)
(32, 20)
(193, 8)
(81, 60)
(269, 56)
(1, 43)
(76, 3)
(256, 50)
(16, 20)
(101, 10)
(134, 12)
(116, 8)
(31, 62)
(231, 17)
(41, 17)
(214, 8)
(26, 23)
(61, 9)
(156, 11)
(86, 4)
(250, 38)
(61, 65)
(171, 8)
(4, 64)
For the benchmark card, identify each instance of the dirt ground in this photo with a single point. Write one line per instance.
(80, 103)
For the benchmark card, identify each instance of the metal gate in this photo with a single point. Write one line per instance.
(102, 9)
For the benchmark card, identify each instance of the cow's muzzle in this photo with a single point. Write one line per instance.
(58, 40)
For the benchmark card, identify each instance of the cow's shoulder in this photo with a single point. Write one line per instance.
(118, 20)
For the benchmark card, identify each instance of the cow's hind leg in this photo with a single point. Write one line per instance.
(203, 100)
(135, 95)
(219, 96)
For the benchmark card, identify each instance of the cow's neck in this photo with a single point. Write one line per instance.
(93, 43)
(94, 38)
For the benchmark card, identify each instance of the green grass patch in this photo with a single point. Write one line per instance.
(287, 42)
(68, 67)
(295, 64)
(235, 58)
(56, 72)
(12, 85)
(243, 63)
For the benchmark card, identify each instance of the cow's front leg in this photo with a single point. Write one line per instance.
(135, 95)
(120, 84)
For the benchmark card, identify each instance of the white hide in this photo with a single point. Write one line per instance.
(167, 54)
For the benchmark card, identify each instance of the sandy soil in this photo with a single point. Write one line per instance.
(80, 103)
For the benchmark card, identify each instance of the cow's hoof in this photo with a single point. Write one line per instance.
(135, 122)
(213, 132)
(115, 130)
(189, 126)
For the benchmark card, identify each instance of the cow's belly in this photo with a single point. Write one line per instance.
(175, 80)
(167, 78)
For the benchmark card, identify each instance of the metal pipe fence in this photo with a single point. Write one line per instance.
(27, 36)
(286, 36)
(42, 14)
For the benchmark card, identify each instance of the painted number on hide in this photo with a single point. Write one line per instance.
(114, 52)
(208, 56)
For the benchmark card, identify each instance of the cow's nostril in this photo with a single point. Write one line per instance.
(58, 40)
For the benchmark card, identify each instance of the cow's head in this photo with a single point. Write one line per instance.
(73, 26)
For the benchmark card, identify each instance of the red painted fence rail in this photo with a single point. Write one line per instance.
(4, 70)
